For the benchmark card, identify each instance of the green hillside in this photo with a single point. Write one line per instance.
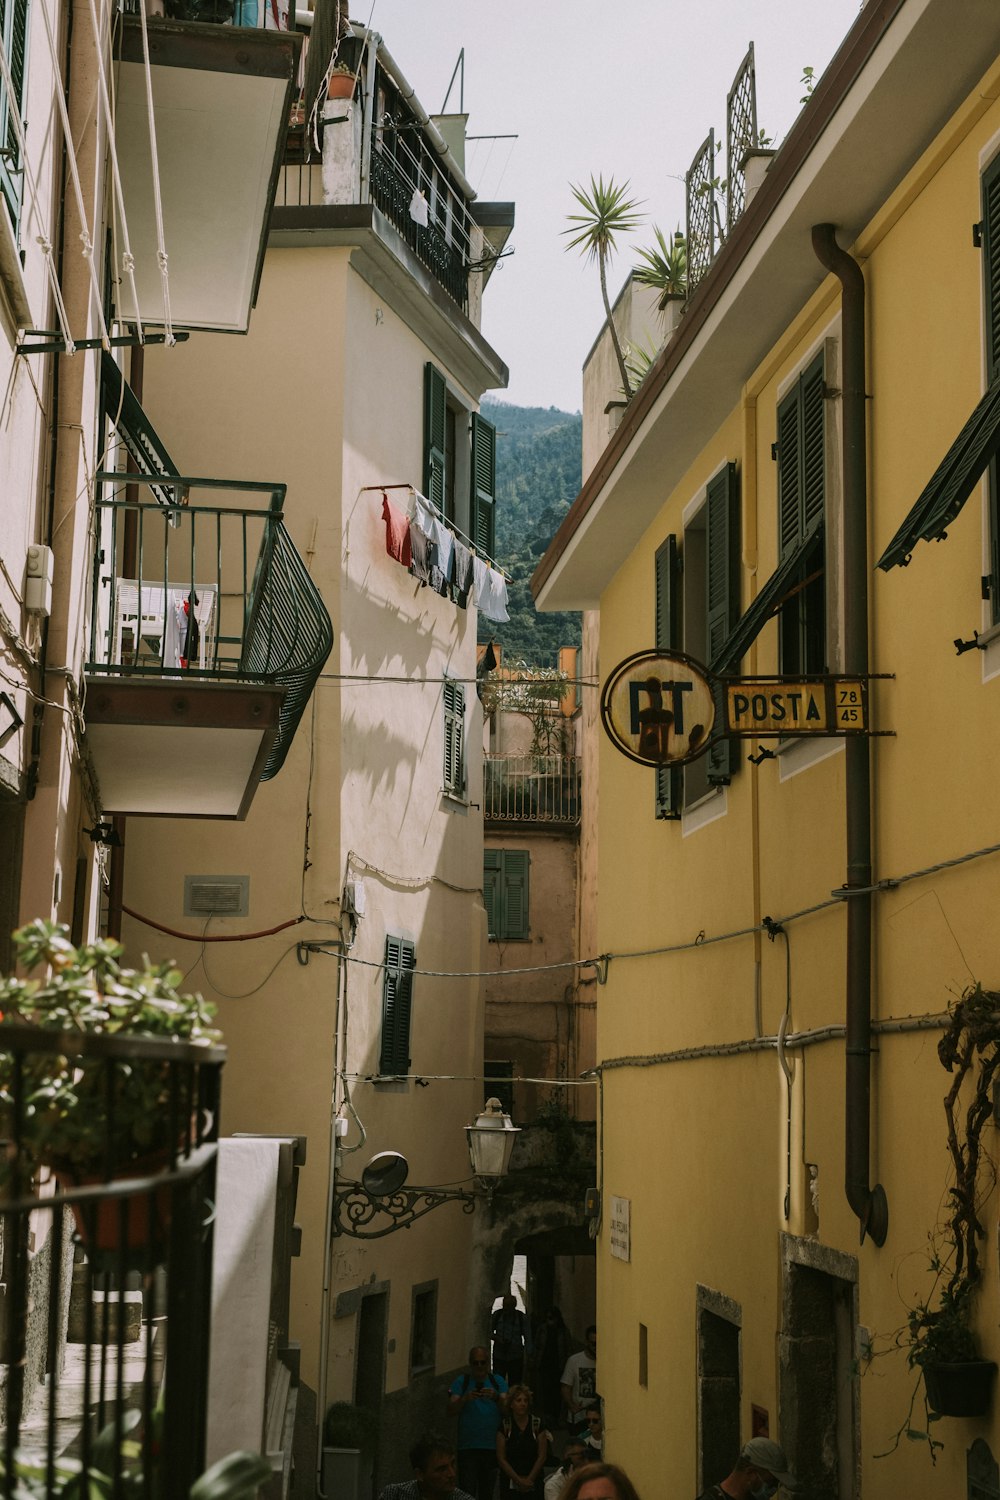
(537, 478)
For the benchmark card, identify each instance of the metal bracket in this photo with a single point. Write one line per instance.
(56, 344)
(971, 645)
(355, 1210)
(761, 756)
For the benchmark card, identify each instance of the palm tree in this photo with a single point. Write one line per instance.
(607, 212)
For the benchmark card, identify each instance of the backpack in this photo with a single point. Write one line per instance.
(508, 1426)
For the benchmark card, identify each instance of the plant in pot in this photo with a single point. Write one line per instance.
(350, 1437)
(85, 1115)
(940, 1337)
(663, 266)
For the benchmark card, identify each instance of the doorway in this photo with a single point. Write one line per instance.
(819, 1380)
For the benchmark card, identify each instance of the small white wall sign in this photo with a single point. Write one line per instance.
(620, 1233)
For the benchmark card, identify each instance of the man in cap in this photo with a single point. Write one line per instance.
(759, 1470)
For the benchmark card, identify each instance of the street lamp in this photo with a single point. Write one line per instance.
(380, 1204)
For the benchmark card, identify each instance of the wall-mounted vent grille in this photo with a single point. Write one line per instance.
(218, 895)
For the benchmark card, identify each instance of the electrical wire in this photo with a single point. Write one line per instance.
(565, 1083)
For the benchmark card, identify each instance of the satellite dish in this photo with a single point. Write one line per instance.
(385, 1174)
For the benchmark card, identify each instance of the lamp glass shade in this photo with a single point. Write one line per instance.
(491, 1141)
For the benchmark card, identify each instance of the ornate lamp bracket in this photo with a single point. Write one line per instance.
(364, 1216)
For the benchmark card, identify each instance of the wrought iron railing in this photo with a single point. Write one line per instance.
(260, 15)
(95, 1375)
(531, 788)
(392, 192)
(207, 591)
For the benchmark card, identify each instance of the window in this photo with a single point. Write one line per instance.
(13, 36)
(801, 453)
(423, 1328)
(454, 739)
(696, 607)
(991, 303)
(397, 995)
(505, 892)
(447, 458)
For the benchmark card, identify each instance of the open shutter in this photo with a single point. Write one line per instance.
(492, 898)
(801, 509)
(435, 418)
(14, 36)
(722, 599)
(397, 996)
(454, 737)
(484, 463)
(515, 888)
(991, 304)
(669, 779)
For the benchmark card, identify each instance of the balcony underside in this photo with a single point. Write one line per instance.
(222, 97)
(180, 747)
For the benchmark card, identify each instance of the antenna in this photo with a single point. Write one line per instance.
(460, 65)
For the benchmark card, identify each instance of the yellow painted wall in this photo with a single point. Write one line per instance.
(699, 1145)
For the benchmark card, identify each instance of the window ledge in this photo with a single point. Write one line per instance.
(800, 754)
(397, 1082)
(457, 797)
(15, 309)
(713, 805)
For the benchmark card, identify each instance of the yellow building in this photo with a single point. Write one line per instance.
(787, 934)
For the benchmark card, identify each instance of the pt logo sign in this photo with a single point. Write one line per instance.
(658, 708)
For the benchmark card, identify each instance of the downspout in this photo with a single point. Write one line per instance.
(868, 1203)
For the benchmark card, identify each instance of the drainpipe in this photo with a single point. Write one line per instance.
(869, 1203)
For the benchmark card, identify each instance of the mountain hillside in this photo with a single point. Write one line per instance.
(537, 478)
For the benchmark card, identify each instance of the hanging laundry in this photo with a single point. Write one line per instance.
(418, 208)
(174, 629)
(493, 597)
(424, 518)
(461, 574)
(397, 532)
(423, 555)
(191, 637)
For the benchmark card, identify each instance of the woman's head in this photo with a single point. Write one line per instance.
(599, 1482)
(519, 1400)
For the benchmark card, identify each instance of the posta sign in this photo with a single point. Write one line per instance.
(658, 708)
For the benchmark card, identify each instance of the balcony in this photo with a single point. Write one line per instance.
(532, 789)
(223, 98)
(207, 636)
(103, 1363)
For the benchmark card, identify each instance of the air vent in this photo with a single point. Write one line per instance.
(216, 895)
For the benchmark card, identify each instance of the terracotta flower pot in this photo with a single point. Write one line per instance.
(99, 1220)
(340, 86)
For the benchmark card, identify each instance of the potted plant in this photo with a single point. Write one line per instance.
(85, 1115)
(350, 1436)
(939, 1337)
(663, 266)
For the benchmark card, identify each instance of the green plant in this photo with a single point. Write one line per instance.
(238, 1476)
(67, 1114)
(607, 213)
(350, 1426)
(664, 265)
(808, 82)
(939, 1327)
(639, 359)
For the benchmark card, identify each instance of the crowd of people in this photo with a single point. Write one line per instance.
(507, 1436)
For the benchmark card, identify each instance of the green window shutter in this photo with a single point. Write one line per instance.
(515, 893)
(722, 598)
(454, 737)
(492, 878)
(991, 303)
(801, 508)
(397, 997)
(484, 462)
(14, 36)
(435, 417)
(669, 779)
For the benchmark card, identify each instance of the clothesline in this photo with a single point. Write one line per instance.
(450, 525)
(432, 553)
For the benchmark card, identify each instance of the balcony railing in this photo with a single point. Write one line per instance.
(212, 591)
(100, 1376)
(531, 788)
(441, 249)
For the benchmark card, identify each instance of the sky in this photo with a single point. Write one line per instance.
(627, 89)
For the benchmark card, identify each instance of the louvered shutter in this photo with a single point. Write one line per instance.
(435, 419)
(454, 737)
(483, 509)
(789, 475)
(991, 304)
(669, 779)
(801, 507)
(397, 998)
(14, 35)
(492, 872)
(722, 599)
(515, 894)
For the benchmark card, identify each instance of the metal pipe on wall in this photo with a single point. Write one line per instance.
(869, 1203)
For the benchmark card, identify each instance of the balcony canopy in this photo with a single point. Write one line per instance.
(222, 99)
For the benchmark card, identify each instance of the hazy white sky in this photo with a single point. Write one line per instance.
(629, 90)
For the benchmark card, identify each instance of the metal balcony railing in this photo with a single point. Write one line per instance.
(104, 1354)
(531, 788)
(207, 591)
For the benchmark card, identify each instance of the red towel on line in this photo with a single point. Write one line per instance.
(397, 532)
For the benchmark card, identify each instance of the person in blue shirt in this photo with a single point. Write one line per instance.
(478, 1399)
